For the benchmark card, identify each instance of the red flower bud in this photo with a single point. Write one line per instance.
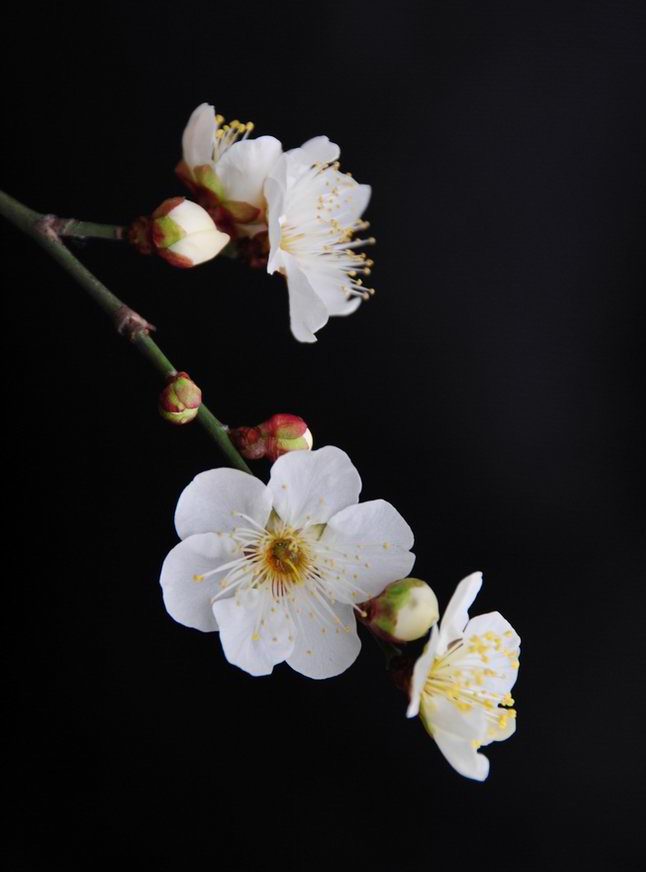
(180, 400)
(274, 437)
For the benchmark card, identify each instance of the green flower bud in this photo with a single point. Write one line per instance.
(403, 612)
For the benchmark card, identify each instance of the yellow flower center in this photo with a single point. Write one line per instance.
(286, 558)
(281, 559)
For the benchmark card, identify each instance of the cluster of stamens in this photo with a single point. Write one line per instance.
(323, 235)
(227, 134)
(464, 683)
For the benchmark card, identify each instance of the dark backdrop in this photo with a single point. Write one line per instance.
(491, 391)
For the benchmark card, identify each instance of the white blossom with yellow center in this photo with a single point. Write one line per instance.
(313, 213)
(239, 165)
(461, 685)
(279, 568)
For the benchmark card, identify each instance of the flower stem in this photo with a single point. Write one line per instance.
(46, 231)
(89, 229)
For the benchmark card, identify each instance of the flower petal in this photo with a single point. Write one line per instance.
(461, 754)
(458, 735)
(198, 138)
(420, 673)
(307, 312)
(308, 487)
(498, 654)
(326, 640)
(353, 203)
(497, 733)
(456, 615)
(275, 195)
(243, 168)
(191, 217)
(370, 546)
(187, 598)
(256, 633)
(201, 247)
(213, 500)
(329, 285)
(319, 149)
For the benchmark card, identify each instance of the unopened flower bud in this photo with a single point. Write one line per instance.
(180, 231)
(274, 437)
(180, 400)
(403, 612)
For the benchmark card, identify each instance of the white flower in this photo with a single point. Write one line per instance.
(313, 211)
(278, 568)
(226, 169)
(461, 684)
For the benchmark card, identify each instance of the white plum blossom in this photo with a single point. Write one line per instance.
(461, 685)
(313, 212)
(279, 568)
(227, 169)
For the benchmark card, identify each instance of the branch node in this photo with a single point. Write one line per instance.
(49, 226)
(130, 324)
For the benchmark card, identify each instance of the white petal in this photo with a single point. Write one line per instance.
(319, 149)
(199, 134)
(308, 487)
(201, 247)
(210, 503)
(253, 636)
(328, 284)
(501, 733)
(326, 645)
(501, 660)
(494, 622)
(455, 733)
(307, 312)
(353, 204)
(370, 544)
(191, 217)
(461, 754)
(455, 618)
(420, 672)
(187, 599)
(275, 195)
(244, 167)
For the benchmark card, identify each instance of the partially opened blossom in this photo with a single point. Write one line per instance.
(226, 170)
(180, 231)
(278, 568)
(461, 685)
(313, 213)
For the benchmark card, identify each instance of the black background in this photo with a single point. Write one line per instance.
(491, 391)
